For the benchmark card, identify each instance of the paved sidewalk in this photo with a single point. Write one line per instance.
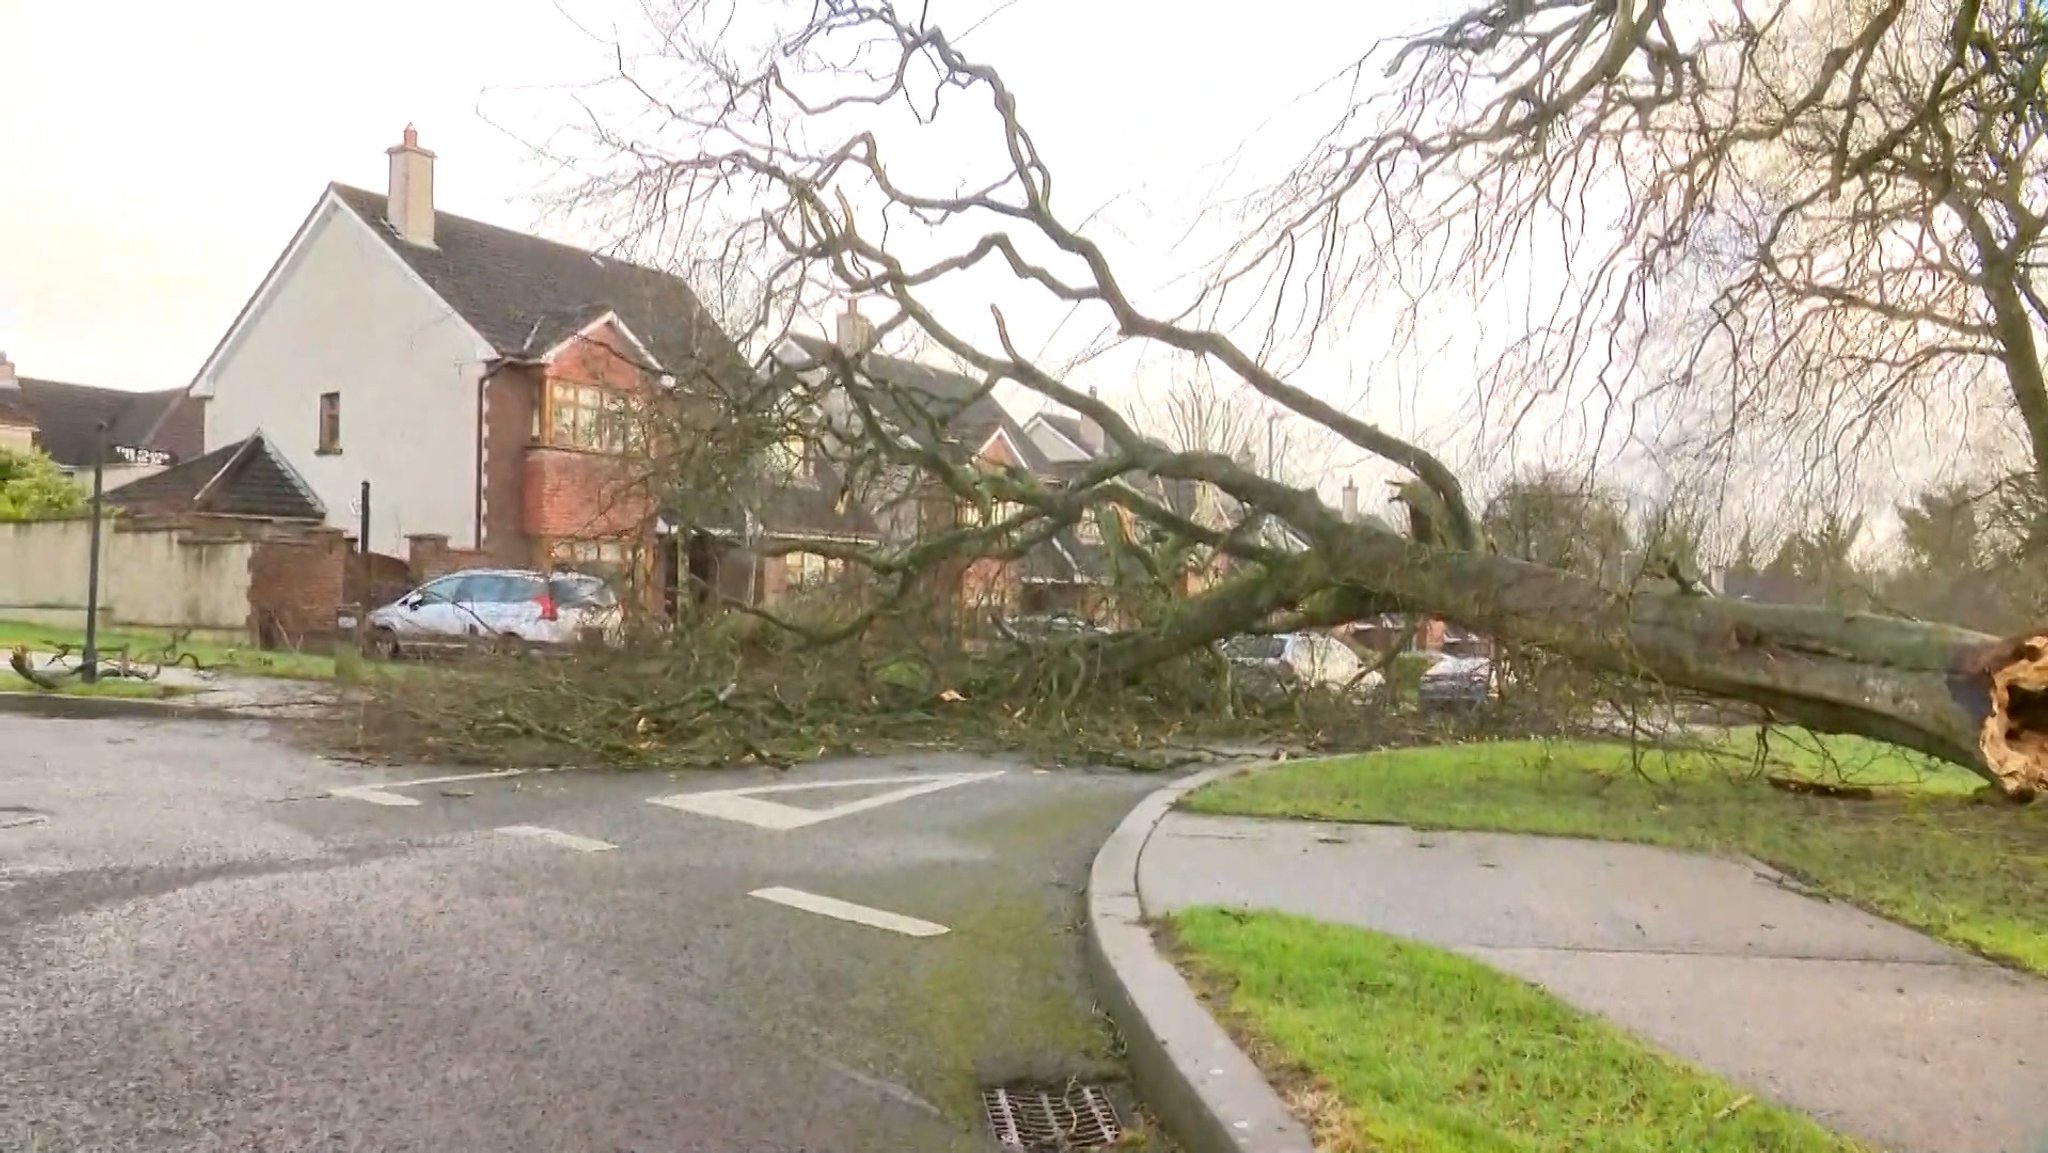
(206, 689)
(1874, 1029)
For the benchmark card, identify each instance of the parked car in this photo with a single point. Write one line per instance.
(1297, 661)
(495, 606)
(1048, 627)
(1456, 682)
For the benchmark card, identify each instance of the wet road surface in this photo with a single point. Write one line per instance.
(204, 947)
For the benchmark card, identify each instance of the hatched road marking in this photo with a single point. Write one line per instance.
(746, 807)
(558, 837)
(848, 911)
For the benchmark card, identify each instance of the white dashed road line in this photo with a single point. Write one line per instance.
(746, 807)
(558, 837)
(848, 911)
(382, 795)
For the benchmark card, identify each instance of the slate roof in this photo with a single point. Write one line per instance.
(526, 295)
(246, 478)
(68, 415)
(914, 396)
(811, 508)
(12, 410)
(798, 510)
(1069, 426)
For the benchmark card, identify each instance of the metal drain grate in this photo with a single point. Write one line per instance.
(1065, 1120)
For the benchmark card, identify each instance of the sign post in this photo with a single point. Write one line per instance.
(89, 667)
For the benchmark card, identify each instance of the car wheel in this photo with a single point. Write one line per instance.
(384, 644)
(510, 645)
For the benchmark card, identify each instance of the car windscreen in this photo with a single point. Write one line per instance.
(581, 592)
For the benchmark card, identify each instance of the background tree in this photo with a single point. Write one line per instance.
(32, 487)
(1562, 522)
(1819, 561)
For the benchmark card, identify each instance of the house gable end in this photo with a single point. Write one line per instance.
(329, 211)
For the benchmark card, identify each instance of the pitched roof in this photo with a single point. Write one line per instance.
(802, 510)
(804, 505)
(914, 396)
(526, 295)
(13, 410)
(247, 478)
(68, 416)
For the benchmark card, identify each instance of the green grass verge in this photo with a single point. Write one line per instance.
(146, 647)
(1924, 849)
(11, 682)
(1395, 1047)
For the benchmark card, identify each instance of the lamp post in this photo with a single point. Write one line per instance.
(89, 667)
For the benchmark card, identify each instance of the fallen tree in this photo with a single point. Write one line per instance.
(1954, 694)
(1828, 217)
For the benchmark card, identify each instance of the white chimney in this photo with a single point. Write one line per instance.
(8, 381)
(410, 203)
(856, 333)
(1350, 500)
(1092, 437)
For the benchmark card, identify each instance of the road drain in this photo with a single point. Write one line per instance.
(1068, 1119)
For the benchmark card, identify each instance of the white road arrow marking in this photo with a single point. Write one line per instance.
(380, 794)
(744, 805)
(848, 911)
(558, 837)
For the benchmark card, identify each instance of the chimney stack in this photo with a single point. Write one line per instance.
(1092, 436)
(410, 202)
(856, 333)
(8, 381)
(1350, 500)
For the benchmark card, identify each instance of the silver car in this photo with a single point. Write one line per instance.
(495, 606)
(1299, 660)
(1456, 682)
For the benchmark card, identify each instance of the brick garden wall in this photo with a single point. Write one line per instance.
(296, 587)
(430, 556)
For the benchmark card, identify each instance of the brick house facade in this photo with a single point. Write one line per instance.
(485, 383)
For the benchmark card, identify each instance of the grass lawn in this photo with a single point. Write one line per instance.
(11, 682)
(1392, 1047)
(146, 648)
(1924, 850)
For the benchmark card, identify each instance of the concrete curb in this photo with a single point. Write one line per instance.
(67, 706)
(1203, 1088)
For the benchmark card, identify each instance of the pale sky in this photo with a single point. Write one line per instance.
(157, 158)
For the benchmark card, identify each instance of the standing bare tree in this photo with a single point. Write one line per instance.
(1807, 222)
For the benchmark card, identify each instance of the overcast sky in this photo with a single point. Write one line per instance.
(169, 151)
(157, 158)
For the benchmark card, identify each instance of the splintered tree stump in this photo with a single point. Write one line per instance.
(2013, 737)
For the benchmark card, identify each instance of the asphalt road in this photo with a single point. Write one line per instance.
(200, 950)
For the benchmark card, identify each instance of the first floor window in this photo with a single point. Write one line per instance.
(584, 416)
(330, 422)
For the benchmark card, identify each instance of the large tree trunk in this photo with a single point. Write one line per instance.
(1958, 695)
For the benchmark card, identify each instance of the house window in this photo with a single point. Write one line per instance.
(582, 416)
(330, 422)
(809, 570)
(1001, 512)
(575, 553)
(787, 460)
